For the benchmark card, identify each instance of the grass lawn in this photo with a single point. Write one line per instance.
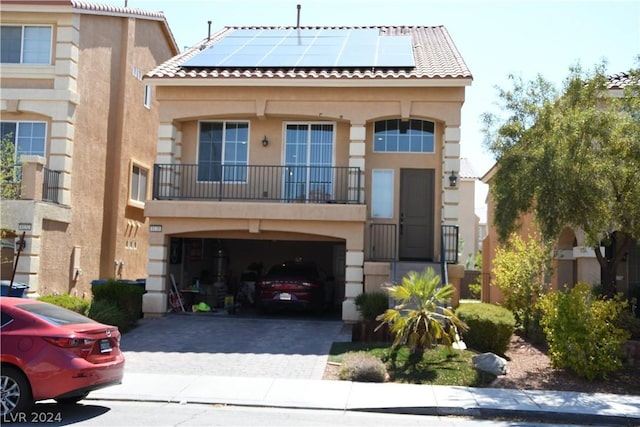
(438, 366)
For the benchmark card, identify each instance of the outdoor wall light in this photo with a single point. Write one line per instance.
(453, 179)
(265, 141)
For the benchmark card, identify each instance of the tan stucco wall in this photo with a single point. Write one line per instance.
(96, 125)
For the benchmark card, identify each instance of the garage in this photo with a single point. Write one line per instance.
(211, 270)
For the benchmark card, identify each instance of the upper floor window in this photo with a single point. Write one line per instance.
(147, 96)
(25, 44)
(138, 183)
(27, 138)
(397, 136)
(223, 150)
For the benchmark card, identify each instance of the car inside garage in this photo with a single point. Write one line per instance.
(223, 273)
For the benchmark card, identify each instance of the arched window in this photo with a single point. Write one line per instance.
(397, 136)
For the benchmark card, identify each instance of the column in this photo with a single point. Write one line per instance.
(451, 164)
(357, 150)
(169, 152)
(155, 300)
(353, 284)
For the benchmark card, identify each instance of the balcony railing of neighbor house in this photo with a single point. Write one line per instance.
(294, 184)
(383, 242)
(12, 184)
(50, 185)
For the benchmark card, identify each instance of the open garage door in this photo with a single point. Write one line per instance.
(210, 269)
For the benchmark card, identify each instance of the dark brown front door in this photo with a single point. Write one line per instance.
(416, 214)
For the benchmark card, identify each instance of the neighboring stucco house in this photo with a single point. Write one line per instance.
(469, 222)
(573, 260)
(328, 143)
(84, 125)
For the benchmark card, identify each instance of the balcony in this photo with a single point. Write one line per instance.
(258, 183)
(30, 182)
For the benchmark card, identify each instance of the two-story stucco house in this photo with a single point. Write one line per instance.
(83, 125)
(573, 260)
(339, 145)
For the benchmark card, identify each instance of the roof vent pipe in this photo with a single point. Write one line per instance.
(209, 34)
(298, 23)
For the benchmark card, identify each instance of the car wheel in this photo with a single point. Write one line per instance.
(72, 399)
(15, 390)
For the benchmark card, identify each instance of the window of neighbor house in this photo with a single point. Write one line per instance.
(139, 183)
(223, 150)
(382, 193)
(147, 96)
(25, 44)
(410, 136)
(27, 137)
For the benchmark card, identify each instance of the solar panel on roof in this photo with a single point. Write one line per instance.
(306, 48)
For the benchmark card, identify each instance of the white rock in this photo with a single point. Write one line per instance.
(491, 363)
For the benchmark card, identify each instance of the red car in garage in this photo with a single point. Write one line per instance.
(295, 285)
(49, 352)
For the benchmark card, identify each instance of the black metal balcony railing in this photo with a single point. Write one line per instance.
(450, 236)
(383, 242)
(294, 184)
(50, 185)
(12, 184)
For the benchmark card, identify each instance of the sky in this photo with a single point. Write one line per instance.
(495, 38)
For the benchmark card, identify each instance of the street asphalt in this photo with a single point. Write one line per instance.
(278, 361)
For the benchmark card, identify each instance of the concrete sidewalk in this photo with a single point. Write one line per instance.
(569, 407)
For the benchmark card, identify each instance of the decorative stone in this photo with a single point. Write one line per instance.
(489, 362)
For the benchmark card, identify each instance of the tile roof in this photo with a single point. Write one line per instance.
(435, 55)
(101, 9)
(111, 9)
(619, 81)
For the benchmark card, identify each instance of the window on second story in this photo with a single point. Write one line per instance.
(25, 44)
(397, 136)
(138, 184)
(27, 138)
(147, 96)
(223, 150)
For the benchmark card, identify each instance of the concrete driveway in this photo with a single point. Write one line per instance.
(217, 345)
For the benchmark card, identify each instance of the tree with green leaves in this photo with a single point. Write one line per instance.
(420, 319)
(8, 189)
(520, 268)
(570, 156)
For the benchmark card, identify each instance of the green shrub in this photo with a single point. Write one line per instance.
(475, 289)
(520, 268)
(109, 313)
(362, 367)
(69, 302)
(627, 321)
(127, 297)
(580, 331)
(490, 327)
(371, 304)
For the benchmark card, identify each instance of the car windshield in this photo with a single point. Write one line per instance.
(55, 315)
(293, 270)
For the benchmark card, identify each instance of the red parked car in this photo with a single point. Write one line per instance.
(296, 285)
(49, 352)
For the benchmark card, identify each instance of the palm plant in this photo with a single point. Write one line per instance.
(420, 318)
